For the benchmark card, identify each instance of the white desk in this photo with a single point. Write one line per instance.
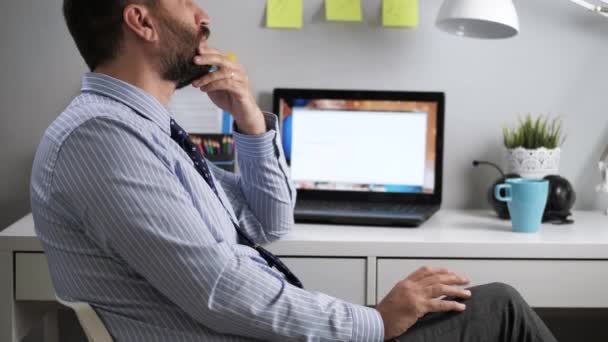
(562, 266)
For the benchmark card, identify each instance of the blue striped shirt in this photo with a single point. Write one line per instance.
(130, 227)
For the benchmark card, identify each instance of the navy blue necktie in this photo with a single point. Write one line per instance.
(183, 140)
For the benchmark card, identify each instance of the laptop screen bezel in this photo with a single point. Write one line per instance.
(289, 94)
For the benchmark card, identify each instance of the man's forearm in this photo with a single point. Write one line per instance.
(265, 182)
(270, 309)
(252, 122)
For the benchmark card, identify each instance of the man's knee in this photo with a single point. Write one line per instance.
(499, 293)
(502, 290)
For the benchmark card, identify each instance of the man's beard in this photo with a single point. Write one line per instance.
(180, 45)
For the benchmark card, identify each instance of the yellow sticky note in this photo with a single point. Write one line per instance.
(400, 13)
(284, 14)
(343, 10)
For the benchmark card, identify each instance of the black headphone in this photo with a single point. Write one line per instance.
(557, 217)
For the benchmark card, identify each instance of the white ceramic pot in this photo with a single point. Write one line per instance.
(533, 163)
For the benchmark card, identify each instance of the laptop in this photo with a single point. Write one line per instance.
(363, 157)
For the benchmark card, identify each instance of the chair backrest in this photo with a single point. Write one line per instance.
(91, 323)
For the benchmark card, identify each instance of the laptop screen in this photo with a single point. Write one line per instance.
(360, 145)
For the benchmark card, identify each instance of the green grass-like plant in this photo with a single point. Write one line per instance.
(534, 133)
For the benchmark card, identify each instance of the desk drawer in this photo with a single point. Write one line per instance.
(32, 278)
(341, 278)
(543, 283)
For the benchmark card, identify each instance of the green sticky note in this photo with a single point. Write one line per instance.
(343, 10)
(400, 13)
(284, 14)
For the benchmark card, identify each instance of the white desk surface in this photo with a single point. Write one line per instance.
(449, 234)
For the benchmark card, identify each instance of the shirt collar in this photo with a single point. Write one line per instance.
(129, 95)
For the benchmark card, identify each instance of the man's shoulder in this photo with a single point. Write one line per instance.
(89, 117)
(86, 109)
(88, 125)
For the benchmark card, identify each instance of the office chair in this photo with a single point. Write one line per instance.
(89, 321)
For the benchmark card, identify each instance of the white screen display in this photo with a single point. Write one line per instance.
(359, 147)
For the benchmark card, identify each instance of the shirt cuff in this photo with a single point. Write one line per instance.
(258, 145)
(367, 324)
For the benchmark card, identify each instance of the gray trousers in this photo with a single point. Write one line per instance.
(495, 312)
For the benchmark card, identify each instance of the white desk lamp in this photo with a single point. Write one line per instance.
(603, 165)
(491, 19)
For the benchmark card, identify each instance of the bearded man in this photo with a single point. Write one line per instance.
(167, 247)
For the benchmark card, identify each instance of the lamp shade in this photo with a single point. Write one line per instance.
(489, 19)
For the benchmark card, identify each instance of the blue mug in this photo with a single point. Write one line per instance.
(526, 199)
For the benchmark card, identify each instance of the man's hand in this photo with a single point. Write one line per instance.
(419, 294)
(229, 89)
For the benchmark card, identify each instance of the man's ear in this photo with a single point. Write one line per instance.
(139, 20)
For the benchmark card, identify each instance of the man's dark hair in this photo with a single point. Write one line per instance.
(97, 27)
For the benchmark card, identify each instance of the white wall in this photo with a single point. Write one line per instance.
(556, 65)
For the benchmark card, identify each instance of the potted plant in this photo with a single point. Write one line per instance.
(534, 147)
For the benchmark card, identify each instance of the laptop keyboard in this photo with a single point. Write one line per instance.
(364, 207)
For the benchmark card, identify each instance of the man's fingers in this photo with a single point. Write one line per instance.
(228, 84)
(424, 272)
(218, 75)
(444, 278)
(439, 290)
(219, 61)
(440, 305)
(210, 56)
